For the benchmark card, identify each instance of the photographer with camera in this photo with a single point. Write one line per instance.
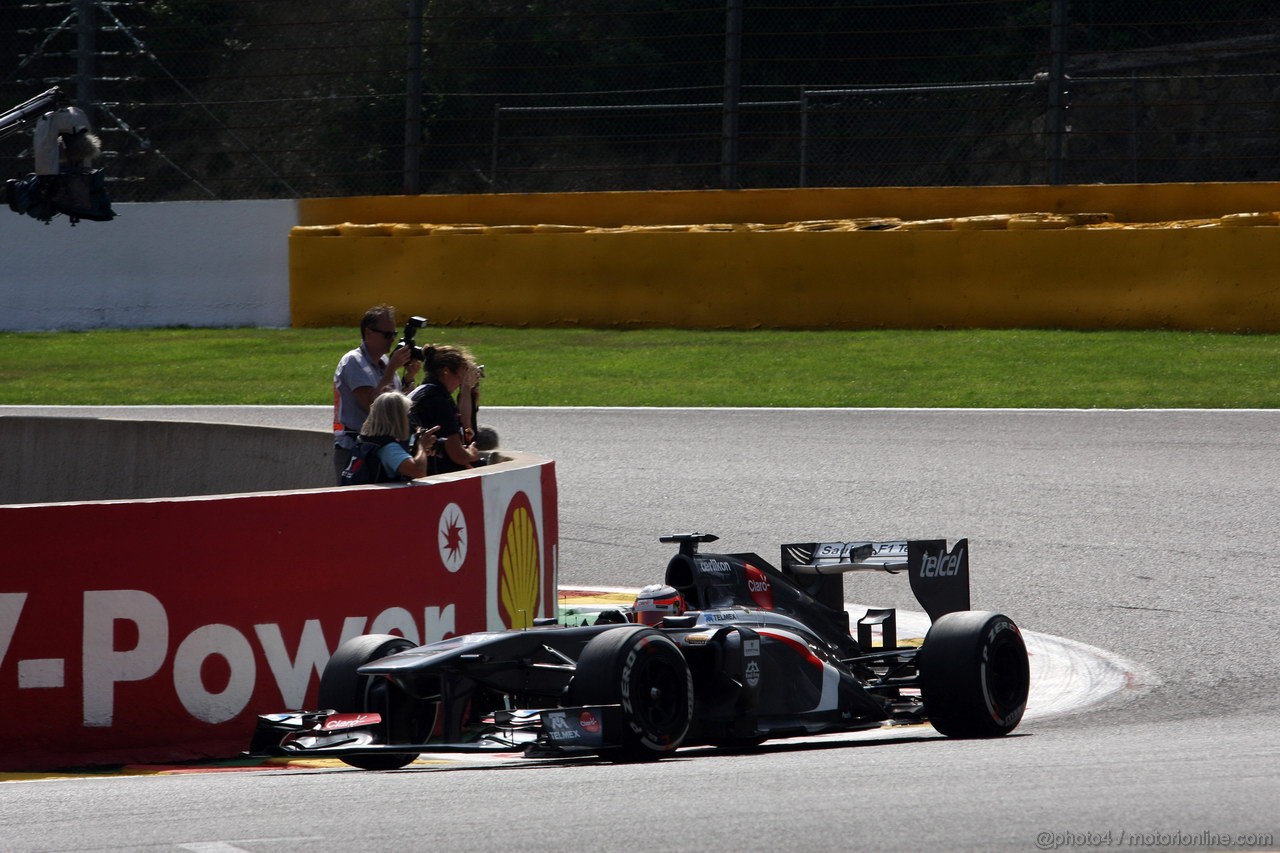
(367, 371)
(387, 450)
(449, 370)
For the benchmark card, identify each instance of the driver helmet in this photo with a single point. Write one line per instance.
(657, 601)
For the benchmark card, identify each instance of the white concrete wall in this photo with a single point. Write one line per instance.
(192, 263)
(117, 459)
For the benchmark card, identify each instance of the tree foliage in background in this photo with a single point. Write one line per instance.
(271, 98)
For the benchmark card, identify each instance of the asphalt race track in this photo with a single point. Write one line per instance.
(1151, 535)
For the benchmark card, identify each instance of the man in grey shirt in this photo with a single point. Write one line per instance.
(363, 374)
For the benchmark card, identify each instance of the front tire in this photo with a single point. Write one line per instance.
(643, 671)
(347, 691)
(974, 675)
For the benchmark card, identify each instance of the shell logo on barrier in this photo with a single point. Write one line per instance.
(519, 571)
(519, 565)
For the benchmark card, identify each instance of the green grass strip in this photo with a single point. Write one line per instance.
(660, 367)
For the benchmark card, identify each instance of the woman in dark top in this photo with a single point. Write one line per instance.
(449, 370)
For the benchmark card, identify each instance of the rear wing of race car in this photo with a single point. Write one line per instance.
(939, 577)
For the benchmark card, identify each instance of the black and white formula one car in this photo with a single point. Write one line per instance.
(730, 651)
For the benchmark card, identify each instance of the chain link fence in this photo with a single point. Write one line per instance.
(286, 98)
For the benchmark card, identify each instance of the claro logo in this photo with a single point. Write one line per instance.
(941, 565)
(759, 587)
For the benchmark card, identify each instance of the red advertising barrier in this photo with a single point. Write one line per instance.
(149, 631)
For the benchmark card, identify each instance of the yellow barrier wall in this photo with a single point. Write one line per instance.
(1128, 202)
(1220, 278)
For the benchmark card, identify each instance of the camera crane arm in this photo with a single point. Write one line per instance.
(25, 113)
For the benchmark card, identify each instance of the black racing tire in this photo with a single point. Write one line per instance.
(974, 674)
(344, 690)
(643, 671)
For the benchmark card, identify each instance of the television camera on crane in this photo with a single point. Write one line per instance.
(65, 148)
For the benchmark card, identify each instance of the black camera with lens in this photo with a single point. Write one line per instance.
(411, 327)
(435, 443)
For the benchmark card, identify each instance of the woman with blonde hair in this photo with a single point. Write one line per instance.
(385, 450)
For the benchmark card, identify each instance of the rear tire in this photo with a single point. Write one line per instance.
(346, 691)
(974, 675)
(643, 671)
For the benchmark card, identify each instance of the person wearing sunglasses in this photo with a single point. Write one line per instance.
(362, 374)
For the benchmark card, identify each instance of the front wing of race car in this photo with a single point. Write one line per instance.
(553, 732)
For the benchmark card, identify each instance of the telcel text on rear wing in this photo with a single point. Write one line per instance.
(939, 577)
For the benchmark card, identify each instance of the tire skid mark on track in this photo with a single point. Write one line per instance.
(1066, 676)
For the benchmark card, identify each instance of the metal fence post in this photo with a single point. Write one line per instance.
(1135, 125)
(84, 55)
(732, 94)
(413, 103)
(1056, 120)
(493, 153)
(804, 138)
